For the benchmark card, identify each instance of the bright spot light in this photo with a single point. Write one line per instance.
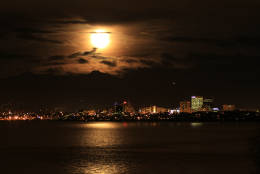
(100, 39)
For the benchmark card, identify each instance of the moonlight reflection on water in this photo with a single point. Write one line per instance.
(115, 148)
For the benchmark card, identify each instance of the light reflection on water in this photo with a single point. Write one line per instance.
(196, 124)
(101, 134)
(126, 147)
(102, 125)
(114, 168)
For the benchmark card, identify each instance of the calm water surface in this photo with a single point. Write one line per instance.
(146, 148)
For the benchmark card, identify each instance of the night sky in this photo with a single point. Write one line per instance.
(209, 48)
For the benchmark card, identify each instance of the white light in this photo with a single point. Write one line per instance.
(100, 39)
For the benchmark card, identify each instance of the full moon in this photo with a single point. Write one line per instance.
(100, 39)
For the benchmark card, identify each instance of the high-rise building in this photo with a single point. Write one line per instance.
(208, 104)
(127, 107)
(196, 103)
(153, 110)
(228, 107)
(185, 106)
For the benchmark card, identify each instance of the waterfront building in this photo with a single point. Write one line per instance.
(196, 103)
(153, 110)
(207, 104)
(127, 107)
(185, 106)
(227, 107)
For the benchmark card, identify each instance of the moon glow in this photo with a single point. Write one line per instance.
(100, 39)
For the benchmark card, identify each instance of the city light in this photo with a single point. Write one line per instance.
(198, 108)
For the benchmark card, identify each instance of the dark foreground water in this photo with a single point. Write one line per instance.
(108, 148)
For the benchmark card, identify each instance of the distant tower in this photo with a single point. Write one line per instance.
(196, 103)
(125, 106)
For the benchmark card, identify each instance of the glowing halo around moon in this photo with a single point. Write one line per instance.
(100, 39)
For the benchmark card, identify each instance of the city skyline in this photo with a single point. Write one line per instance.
(192, 105)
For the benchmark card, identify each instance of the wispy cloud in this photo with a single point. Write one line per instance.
(79, 54)
(71, 21)
(33, 37)
(83, 61)
(58, 57)
(109, 63)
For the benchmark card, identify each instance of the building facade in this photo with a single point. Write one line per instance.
(153, 110)
(196, 103)
(228, 107)
(208, 104)
(185, 106)
(127, 107)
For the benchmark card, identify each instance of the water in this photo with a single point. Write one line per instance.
(139, 148)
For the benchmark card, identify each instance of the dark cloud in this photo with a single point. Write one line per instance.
(98, 56)
(54, 71)
(14, 64)
(75, 55)
(250, 41)
(109, 63)
(189, 39)
(58, 57)
(130, 60)
(79, 54)
(86, 53)
(212, 62)
(173, 62)
(71, 21)
(224, 42)
(82, 61)
(55, 63)
(3, 36)
(149, 62)
(10, 56)
(168, 59)
(32, 30)
(226, 63)
(32, 37)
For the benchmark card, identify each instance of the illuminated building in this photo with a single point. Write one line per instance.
(174, 111)
(228, 107)
(215, 109)
(127, 107)
(161, 109)
(145, 110)
(185, 106)
(89, 112)
(196, 103)
(207, 104)
(153, 110)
